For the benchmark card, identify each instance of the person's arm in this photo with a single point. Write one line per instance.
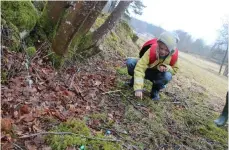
(172, 69)
(139, 71)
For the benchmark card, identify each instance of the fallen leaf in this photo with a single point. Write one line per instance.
(27, 117)
(39, 140)
(16, 115)
(18, 129)
(97, 83)
(6, 124)
(44, 71)
(46, 148)
(70, 148)
(110, 116)
(59, 116)
(77, 89)
(40, 62)
(88, 107)
(79, 111)
(7, 146)
(24, 109)
(71, 108)
(6, 137)
(36, 129)
(30, 146)
(151, 115)
(95, 122)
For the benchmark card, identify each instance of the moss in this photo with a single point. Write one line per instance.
(60, 142)
(21, 13)
(37, 36)
(10, 36)
(3, 77)
(214, 133)
(113, 36)
(81, 45)
(31, 51)
(114, 42)
(124, 27)
(84, 41)
(39, 5)
(48, 26)
(100, 20)
(101, 116)
(122, 71)
(57, 61)
(132, 115)
(134, 37)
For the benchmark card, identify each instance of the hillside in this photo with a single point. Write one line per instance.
(86, 104)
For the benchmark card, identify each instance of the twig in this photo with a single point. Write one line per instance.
(69, 133)
(37, 74)
(70, 86)
(111, 92)
(186, 104)
(38, 51)
(171, 102)
(136, 107)
(47, 55)
(17, 146)
(113, 130)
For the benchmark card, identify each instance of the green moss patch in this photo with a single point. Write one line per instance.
(21, 13)
(59, 142)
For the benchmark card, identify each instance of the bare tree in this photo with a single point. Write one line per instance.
(111, 21)
(185, 43)
(223, 39)
(112, 6)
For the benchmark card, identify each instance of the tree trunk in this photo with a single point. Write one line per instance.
(111, 21)
(92, 17)
(78, 21)
(51, 15)
(223, 60)
(225, 73)
(112, 7)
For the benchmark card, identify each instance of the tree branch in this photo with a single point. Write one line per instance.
(68, 133)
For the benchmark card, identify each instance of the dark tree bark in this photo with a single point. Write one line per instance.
(111, 21)
(52, 14)
(78, 21)
(224, 58)
(225, 73)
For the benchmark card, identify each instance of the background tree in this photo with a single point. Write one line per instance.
(185, 43)
(197, 46)
(223, 40)
(112, 6)
(111, 21)
(136, 7)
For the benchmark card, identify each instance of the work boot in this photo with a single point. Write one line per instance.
(155, 94)
(222, 120)
(224, 115)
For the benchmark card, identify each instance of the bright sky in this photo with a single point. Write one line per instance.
(200, 18)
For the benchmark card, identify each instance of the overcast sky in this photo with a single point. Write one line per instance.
(200, 18)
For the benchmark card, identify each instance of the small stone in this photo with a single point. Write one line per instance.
(82, 147)
(108, 132)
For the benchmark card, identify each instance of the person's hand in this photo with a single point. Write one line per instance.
(162, 68)
(138, 94)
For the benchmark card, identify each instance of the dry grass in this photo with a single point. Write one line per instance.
(205, 73)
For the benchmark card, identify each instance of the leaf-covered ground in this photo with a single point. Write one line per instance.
(90, 98)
